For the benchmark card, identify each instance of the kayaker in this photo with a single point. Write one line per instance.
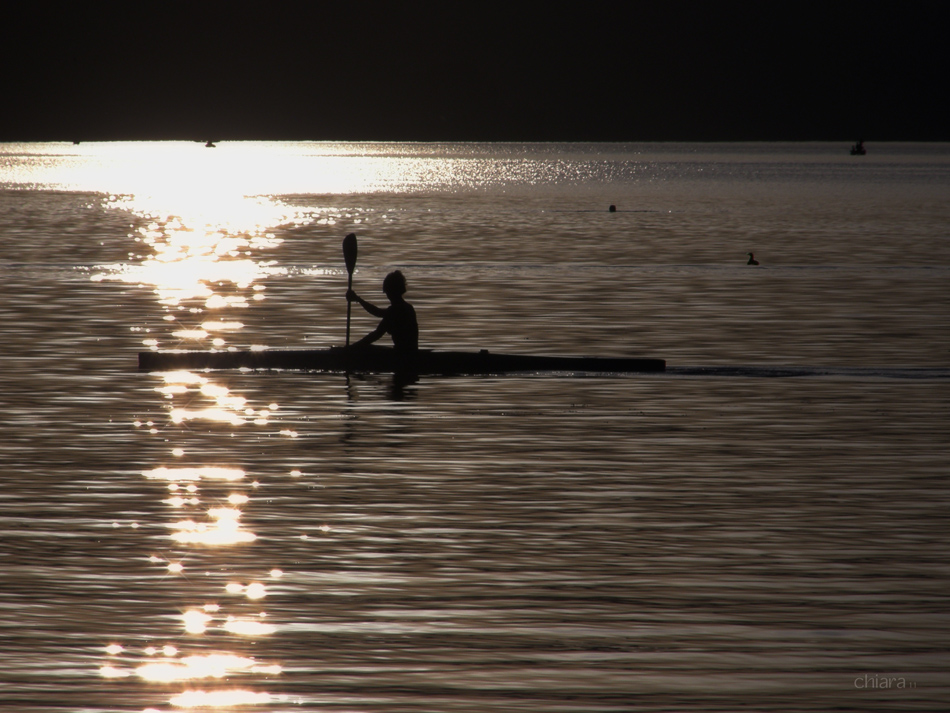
(398, 320)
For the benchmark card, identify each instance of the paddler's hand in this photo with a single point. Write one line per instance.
(351, 296)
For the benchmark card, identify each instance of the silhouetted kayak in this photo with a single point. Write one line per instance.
(376, 359)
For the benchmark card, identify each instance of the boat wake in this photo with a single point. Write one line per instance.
(845, 372)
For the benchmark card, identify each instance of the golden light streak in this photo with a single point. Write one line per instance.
(220, 415)
(113, 672)
(222, 396)
(179, 501)
(196, 253)
(192, 668)
(178, 475)
(190, 333)
(256, 590)
(208, 187)
(196, 622)
(248, 627)
(182, 377)
(224, 513)
(219, 699)
(222, 326)
(225, 530)
(222, 532)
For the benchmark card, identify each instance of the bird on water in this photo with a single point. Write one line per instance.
(752, 260)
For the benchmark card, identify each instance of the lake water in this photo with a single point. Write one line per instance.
(764, 526)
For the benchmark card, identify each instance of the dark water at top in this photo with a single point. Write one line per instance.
(763, 526)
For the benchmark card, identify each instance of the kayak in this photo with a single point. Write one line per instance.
(376, 359)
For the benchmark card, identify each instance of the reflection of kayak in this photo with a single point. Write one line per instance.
(377, 359)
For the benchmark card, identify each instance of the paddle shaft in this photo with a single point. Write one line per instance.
(349, 308)
(349, 257)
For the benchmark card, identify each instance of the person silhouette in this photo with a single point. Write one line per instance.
(398, 320)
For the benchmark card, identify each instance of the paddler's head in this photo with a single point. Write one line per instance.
(394, 285)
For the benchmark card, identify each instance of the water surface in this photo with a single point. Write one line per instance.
(763, 525)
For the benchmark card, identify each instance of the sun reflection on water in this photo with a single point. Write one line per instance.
(189, 668)
(248, 627)
(218, 527)
(226, 407)
(198, 279)
(187, 175)
(199, 244)
(222, 531)
(200, 250)
(188, 474)
(220, 699)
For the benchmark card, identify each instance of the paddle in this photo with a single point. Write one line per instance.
(349, 257)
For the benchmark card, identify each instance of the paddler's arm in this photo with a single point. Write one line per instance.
(372, 336)
(368, 306)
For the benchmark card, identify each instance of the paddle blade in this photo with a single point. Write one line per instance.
(349, 252)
